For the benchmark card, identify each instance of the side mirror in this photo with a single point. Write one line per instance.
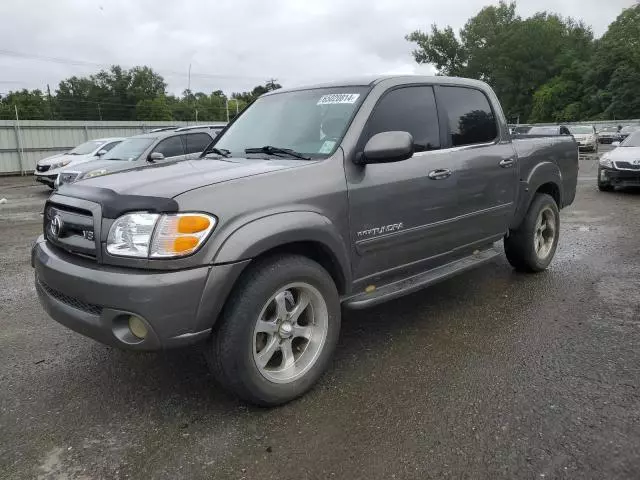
(386, 147)
(155, 156)
(101, 153)
(615, 144)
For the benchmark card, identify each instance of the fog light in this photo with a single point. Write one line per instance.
(137, 327)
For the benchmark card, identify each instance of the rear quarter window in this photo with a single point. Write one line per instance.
(469, 116)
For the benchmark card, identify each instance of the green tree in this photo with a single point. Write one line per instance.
(613, 75)
(515, 56)
(31, 104)
(248, 97)
(111, 94)
(153, 109)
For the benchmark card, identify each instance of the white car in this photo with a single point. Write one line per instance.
(621, 166)
(585, 136)
(47, 169)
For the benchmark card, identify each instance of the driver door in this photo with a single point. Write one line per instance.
(402, 213)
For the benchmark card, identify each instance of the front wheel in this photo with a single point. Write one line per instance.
(531, 247)
(603, 186)
(278, 331)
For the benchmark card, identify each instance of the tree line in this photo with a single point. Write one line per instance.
(543, 68)
(138, 93)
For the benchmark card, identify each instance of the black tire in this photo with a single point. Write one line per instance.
(604, 186)
(519, 244)
(231, 353)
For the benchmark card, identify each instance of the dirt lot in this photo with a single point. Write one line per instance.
(490, 375)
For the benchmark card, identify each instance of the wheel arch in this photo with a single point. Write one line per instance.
(309, 234)
(544, 178)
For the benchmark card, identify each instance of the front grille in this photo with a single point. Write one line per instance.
(67, 177)
(70, 301)
(42, 168)
(627, 166)
(70, 228)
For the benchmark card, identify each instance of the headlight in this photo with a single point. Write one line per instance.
(605, 161)
(61, 164)
(95, 173)
(150, 235)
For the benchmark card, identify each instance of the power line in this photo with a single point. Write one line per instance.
(84, 63)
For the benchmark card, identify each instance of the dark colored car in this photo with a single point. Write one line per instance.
(347, 194)
(608, 135)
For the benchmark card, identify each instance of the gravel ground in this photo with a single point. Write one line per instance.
(490, 375)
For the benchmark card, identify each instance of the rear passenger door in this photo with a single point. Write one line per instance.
(172, 148)
(485, 164)
(195, 143)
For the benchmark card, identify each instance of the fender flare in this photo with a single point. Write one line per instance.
(542, 173)
(265, 233)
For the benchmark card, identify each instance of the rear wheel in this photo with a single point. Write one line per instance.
(278, 331)
(531, 247)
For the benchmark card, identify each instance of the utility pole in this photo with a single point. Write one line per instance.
(50, 102)
(227, 105)
(99, 112)
(19, 140)
(189, 89)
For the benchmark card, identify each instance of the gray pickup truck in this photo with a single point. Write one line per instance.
(345, 194)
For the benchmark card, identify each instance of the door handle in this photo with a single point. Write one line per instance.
(507, 162)
(439, 174)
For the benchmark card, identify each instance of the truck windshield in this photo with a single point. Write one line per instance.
(308, 122)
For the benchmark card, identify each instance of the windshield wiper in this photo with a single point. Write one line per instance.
(269, 150)
(223, 152)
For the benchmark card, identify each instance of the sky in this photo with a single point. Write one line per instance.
(233, 45)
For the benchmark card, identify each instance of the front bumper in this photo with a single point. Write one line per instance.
(619, 178)
(177, 307)
(46, 178)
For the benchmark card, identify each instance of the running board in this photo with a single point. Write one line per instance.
(409, 285)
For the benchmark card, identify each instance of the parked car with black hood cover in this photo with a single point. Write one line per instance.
(347, 194)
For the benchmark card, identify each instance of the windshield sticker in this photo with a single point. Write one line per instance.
(327, 147)
(337, 98)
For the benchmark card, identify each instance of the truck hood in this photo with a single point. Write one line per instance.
(171, 179)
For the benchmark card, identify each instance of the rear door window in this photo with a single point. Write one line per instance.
(469, 116)
(170, 147)
(407, 109)
(196, 142)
